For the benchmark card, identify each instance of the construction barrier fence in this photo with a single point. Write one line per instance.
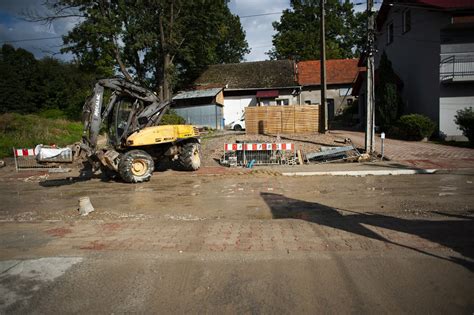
(25, 159)
(250, 154)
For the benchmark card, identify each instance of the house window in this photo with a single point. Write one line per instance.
(406, 21)
(282, 101)
(345, 91)
(265, 102)
(390, 33)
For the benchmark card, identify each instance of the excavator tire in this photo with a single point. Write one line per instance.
(136, 166)
(190, 156)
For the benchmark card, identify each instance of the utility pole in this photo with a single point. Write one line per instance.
(324, 105)
(370, 94)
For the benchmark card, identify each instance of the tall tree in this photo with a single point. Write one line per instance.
(159, 42)
(18, 80)
(28, 85)
(298, 31)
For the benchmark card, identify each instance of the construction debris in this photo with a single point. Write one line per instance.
(332, 154)
(53, 154)
(59, 170)
(85, 206)
(345, 140)
(364, 158)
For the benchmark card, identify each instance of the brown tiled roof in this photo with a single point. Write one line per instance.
(338, 71)
(247, 75)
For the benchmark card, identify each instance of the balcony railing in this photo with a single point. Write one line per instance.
(457, 68)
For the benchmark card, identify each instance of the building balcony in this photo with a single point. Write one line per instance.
(457, 68)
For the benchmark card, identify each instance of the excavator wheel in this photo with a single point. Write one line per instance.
(190, 156)
(136, 166)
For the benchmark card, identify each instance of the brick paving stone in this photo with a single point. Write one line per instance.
(415, 153)
(213, 236)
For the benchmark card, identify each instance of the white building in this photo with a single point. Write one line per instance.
(431, 46)
(251, 84)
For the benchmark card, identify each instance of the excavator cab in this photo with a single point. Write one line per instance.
(136, 141)
(118, 121)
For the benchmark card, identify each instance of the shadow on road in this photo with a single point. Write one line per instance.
(104, 175)
(85, 174)
(456, 234)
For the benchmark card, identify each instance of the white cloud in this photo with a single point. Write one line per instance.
(258, 29)
(14, 28)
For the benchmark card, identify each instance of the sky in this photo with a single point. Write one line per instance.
(19, 32)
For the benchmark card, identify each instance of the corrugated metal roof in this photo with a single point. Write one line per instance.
(197, 94)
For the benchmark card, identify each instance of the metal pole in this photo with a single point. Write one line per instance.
(324, 105)
(370, 113)
(15, 156)
(382, 148)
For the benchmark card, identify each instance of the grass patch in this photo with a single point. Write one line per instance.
(26, 131)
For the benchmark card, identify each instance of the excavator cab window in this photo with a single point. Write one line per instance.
(123, 118)
(119, 121)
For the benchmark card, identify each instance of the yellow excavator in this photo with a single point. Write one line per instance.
(136, 142)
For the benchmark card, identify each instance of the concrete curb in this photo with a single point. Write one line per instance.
(364, 173)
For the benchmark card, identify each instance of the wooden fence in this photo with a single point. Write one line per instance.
(282, 119)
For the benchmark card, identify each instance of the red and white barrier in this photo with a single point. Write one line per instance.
(24, 152)
(259, 147)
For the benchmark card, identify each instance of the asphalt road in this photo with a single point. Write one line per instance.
(239, 244)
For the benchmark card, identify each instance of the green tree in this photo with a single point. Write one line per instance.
(65, 85)
(28, 85)
(298, 31)
(215, 36)
(389, 103)
(18, 80)
(158, 42)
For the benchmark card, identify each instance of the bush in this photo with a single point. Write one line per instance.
(172, 118)
(413, 127)
(464, 118)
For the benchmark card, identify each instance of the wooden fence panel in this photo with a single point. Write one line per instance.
(282, 119)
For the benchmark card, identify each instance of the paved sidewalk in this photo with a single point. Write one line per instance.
(415, 153)
(293, 235)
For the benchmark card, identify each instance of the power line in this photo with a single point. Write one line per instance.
(29, 39)
(261, 14)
